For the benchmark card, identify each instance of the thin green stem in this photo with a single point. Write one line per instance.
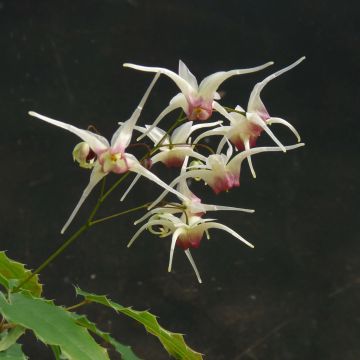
(54, 255)
(82, 303)
(120, 214)
(97, 205)
(90, 222)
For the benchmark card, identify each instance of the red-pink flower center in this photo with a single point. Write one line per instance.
(190, 239)
(225, 182)
(199, 109)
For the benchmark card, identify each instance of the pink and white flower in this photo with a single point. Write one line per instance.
(221, 172)
(187, 232)
(110, 157)
(173, 149)
(197, 101)
(246, 126)
(188, 229)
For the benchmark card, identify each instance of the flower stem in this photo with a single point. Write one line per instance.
(119, 214)
(82, 303)
(90, 222)
(54, 255)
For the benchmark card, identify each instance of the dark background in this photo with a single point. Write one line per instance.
(296, 295)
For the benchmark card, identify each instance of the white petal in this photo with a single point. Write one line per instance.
(175, 236)
(96, 142)
(211, 83)
(235, 163)
(221, 145)
(156, 134)
(96, 175)
(122, 137)
(215, 225)
(177, 101)
(138, 168)
(137, 177)
(219, 131)
(206, 125)
(247, 147)
(182, 84)
(217, 96)
(181, 133)
(276, 120)
(192, 262)
(186, 74)
(208, 207)
(203, 174)
(222, 111)
(254, 118)
(239, 108)
(144, 227)
(229, 151)
(183, 188)
(255, 103)
(159, 210)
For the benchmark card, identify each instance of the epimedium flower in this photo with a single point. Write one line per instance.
(221, 172)
(110, 157)
(197, 101)
(191, 204)
(246, 126)
(187, 232)
(173, 148)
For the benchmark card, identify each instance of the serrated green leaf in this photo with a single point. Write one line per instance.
(52, 324)
(10, 337)
(124, 350)
(58, 353)
(13, 353)
(13, 272)
(4, 282)
(173, 342)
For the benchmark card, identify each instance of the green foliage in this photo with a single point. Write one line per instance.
(67, 333)
(12, 273)
(13, 353)
(124, 350)
(8, 338)
(173, 342)
(52, 324)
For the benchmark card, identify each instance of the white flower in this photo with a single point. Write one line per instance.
(246, 127)
(173, 149)
(187, 232)
(192, 204)
(219, 172)
(111, 157)
(197, 101)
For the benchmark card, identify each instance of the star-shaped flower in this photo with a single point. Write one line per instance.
(246, 126)
(110, 157)
(197, 101)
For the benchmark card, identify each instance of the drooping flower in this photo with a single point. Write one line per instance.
(246, 126)
(221, 172)
(197, 101)
(110, 157)
(188, 229)
(187, 232)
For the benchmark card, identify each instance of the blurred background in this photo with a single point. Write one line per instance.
(296, 295)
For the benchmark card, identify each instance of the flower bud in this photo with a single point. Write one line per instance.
(83, 154)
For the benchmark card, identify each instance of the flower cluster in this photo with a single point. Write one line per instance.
(184, 221)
